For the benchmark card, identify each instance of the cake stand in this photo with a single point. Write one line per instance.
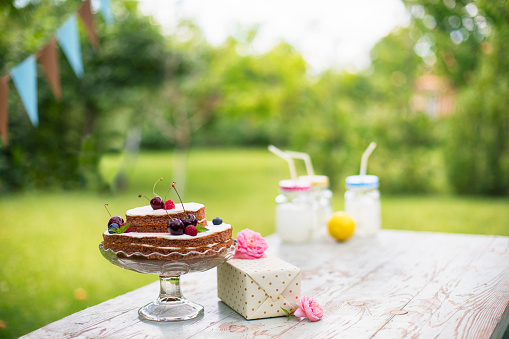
(171, 305)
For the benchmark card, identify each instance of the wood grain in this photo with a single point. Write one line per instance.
(394, 285)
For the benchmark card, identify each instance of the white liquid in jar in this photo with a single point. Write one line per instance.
(364, 208)
(294, 223)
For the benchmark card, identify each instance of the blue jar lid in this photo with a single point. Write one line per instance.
(362, 181)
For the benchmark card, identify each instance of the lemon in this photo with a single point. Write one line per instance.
(341, 226)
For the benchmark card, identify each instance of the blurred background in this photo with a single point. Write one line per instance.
(194, 91)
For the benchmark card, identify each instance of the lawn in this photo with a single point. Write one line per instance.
(50, 262)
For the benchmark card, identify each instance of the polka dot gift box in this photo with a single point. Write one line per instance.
(259, 288)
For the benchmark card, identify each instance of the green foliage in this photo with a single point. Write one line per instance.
(478, 146)
(447, 37)
(471, 42)
(333, 116)
(262, 94)
(395, 69)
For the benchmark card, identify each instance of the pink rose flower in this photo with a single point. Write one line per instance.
(250, 245)
(309, 308)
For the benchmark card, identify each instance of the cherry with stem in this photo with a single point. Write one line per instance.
(156, 202)
(116, 219)
(175, 226)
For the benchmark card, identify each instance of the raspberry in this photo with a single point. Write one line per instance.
(191, 230)
(128, 230)
(169, 204)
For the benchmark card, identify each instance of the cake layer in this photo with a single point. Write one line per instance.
(164, 246)
(215, 234)
(147, 220)
(165, 251)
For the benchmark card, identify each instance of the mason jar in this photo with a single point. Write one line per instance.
(321, 197)
(294, 211)
(362, 203)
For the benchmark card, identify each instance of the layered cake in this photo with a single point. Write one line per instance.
(170, 247)
(164, 231)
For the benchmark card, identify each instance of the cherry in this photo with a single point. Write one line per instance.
(157, 203)
(190, 220)
(176, 227)
(116, 220)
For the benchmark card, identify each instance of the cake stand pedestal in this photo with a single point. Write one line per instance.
(170, 305)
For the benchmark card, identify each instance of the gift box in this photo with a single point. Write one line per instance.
(259, 288)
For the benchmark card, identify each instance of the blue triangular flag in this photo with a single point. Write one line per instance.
(24, 76)
(69, 40)
(105, 9)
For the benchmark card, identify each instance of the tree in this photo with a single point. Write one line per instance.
(471, 41)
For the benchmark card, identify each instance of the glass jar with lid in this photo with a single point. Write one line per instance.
(362, 203)
(321, 197)
(294, 211)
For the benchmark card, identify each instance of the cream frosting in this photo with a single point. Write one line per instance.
(212, 229)
(176, 248)
(147, 210)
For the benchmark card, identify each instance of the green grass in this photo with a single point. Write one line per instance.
(49, 241)
(470, 215)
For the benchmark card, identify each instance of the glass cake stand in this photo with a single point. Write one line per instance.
(170, 305)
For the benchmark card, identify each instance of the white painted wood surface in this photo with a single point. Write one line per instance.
(397, 284)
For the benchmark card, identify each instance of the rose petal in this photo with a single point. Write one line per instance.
(299, 313)
(241, 253)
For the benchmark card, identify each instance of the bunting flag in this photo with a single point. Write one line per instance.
(4, 94)
(105, 8)
(48, 59)
(69, 40)
(24, 76)
(85, 13)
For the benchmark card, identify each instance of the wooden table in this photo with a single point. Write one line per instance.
(397, 284)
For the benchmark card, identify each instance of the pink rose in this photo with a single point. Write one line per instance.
(250, 245)
(310, 309)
